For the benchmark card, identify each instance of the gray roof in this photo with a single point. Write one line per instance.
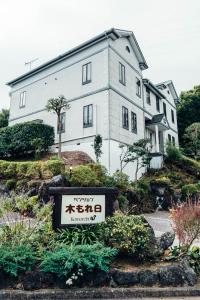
(156, 119)
(111, 33)
(153, 88)
(170, 84)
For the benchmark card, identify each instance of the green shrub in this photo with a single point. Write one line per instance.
(173, 153)
(129, 234)
(11, 184)
(79, 235)
(189, 190)
(14, 260)
(194, 258)
(22, 168)
(121, 180)
(84, 176)
(22, 185)
(191, 163)
(56, 167)
(78, 259)
(34, 170)
(16, 140)
(162, 181)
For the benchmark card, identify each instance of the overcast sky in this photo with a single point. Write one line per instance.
(168, 33)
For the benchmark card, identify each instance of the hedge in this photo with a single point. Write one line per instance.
(31, 170)
(16, 141)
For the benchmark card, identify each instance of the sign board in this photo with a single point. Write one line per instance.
(76, 206)
(82, 209)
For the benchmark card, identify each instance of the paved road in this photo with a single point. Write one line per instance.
(175, 298)
(161, 223)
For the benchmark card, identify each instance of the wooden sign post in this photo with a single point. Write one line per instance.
(78, 206)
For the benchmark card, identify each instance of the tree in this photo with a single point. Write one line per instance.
(188, 110)
(57, 105)
(37, 144)
(97, 147)
(4, 117)
(140, 153)
(191, 141)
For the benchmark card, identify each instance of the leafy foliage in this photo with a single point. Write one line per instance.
(16, 141)
(14, 260)
(190, 107)
(78, 235)
(129, 234)
(4, 117)
(77, 258)
(191, 141)
(97, 146)
(194, 256)
(84, 176)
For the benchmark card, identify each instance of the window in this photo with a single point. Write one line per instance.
(128, 49)
(133, 122)
(62, 123)
(88, 115)
(122, 76)
(22, 102)
(172, 114)
(169, 138)
(164, 109)
(138, 87)
(148, 98)
(157, 103)
(173, 140)
(125, 122)
(87, 73)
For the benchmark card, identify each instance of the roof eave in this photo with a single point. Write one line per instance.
(153, 88)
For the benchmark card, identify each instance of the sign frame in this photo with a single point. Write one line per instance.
(55, 195)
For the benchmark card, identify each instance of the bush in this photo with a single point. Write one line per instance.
(173, 153)
(191, 163)
(194, 258)
(16, 140)
(11, 184)
(14, 260)
(121, 180)
(56, 167)
(129, 234)
(84, 176)
(77, 260)
(186, 222)
(189, 190)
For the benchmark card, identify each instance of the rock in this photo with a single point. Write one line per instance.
(148, 277)
(134, 201)
(101, 278)
(31, 281)
(125, 278)
(32, 192)
(166, 240)
(56, 181)
(3, 189)
(190, 275)
(171, 276)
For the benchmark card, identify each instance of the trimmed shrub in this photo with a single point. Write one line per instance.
(16, 141)
(56, 167)
(15, 260)
(173, 153)
(129, 234)
(77, 260)
(84, 176)
(189, 190)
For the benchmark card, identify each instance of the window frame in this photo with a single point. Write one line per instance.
(148, 96)
(133, 121)
(172, 116)
(125, 118)
(157, 103)
(88, 123)
(122, 73)
(62, 117)
(165, 109)
(173, 141)
(22, 100)
(86, 66)
(169, 138)
(138, 87)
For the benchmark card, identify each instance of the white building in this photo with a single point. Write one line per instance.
(103, 81)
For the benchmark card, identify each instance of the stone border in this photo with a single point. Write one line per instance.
(99, 293)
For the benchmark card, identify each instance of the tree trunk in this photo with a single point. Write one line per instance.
(59, 136)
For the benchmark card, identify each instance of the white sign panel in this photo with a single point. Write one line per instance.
(82, 209)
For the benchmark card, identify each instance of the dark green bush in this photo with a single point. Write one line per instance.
(129, 234)
(16, 140)
(173, 153)
(14, 260)
(189, 190)
(194, 258)
(77, 259)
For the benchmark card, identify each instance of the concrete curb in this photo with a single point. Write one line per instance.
(99, 293)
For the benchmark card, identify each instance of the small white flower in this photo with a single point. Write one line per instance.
(69, 281)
